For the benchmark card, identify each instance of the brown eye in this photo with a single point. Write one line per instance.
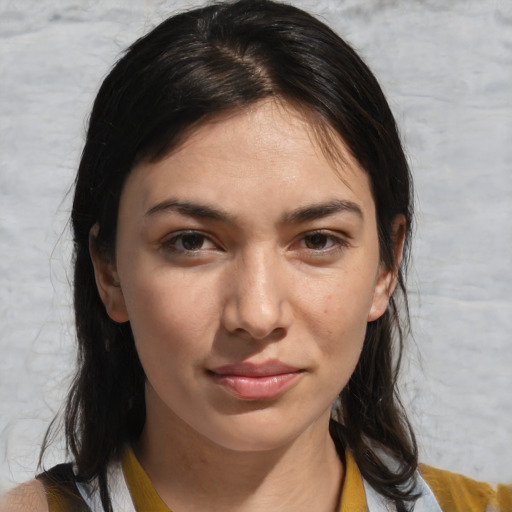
(192, 241)
(322, 243)
(317, 241)
(189, 242)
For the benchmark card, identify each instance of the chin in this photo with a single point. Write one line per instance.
(253, 442)
(248, 433)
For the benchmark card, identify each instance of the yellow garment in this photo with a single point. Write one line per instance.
(353, 498)
(144, 496)
(455, 493)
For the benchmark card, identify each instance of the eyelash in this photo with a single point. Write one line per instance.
(171, 244)
(337, 241)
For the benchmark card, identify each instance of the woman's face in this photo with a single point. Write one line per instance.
(248, 269)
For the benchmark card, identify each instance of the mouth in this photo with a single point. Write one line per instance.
(252, 381)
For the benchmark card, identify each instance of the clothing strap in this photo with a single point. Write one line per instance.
(65, 494)
(119, 493)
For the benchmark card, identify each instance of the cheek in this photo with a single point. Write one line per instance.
(342, 310)
(338, 319)
(168, 314)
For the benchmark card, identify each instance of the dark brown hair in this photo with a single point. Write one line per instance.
(190, 68)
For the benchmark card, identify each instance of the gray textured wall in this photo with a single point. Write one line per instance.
(447, 70)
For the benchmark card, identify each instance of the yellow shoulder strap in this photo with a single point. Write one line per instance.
(141, 489)
(353, 497)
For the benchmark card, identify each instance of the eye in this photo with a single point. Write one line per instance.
(319, 241)
(189, 242)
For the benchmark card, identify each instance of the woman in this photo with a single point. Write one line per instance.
(241, 221)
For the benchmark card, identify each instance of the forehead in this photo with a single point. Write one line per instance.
(267, 147)
(260, 120)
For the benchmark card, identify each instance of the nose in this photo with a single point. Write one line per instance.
(257, 305)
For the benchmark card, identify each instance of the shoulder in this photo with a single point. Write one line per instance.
(458, 493)
(27, 497)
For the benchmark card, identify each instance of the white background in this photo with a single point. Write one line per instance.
(447, 70)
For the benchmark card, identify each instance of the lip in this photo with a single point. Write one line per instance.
(256, 381)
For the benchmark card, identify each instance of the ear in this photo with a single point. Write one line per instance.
(387, 277)
(107, 280)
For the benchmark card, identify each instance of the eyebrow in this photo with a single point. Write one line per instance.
(302, 214)
(190, 208)
(317, 211)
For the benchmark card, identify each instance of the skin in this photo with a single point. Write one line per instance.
(27, 497)
(245, 245)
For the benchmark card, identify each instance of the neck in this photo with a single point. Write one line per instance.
(190, 472)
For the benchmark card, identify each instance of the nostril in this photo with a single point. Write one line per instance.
(276, 334)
